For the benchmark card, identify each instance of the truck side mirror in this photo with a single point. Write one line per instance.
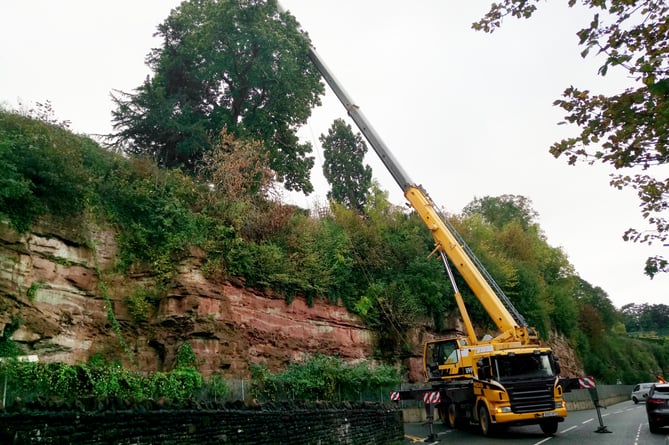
(556, 363)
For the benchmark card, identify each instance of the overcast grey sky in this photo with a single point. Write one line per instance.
(467, 114)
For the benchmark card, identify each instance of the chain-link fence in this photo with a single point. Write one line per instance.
(239, 389)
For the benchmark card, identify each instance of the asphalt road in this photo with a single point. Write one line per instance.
(626, 422)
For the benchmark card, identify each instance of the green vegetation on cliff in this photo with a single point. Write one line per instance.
(375, 263)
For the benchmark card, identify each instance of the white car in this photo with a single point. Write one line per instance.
(640, 392)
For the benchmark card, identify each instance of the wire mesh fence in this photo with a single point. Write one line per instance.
(239, 389)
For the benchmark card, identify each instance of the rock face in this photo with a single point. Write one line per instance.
(56, 291)
(569, 362)
(61, 300)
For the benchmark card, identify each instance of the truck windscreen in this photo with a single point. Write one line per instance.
(522, 366)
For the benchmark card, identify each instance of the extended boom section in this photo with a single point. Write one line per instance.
(363, 125)
(445, 240)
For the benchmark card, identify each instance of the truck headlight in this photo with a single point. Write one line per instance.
(504, 409)
(559, 405)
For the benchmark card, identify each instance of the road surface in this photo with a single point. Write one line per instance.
(626, 422)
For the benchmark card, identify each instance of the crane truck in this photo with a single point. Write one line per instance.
(510, 379)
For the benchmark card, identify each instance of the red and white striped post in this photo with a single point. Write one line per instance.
(430, 398)
(589, 384)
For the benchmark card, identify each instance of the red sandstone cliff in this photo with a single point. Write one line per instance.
(49, 281)
(54, 281)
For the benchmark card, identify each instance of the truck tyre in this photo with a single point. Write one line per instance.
(451, 416)
(549, 427)
(653, 428)
(487, 428)
(443, 415)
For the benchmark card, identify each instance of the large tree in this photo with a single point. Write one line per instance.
(350, 180)
(628, 130)
(502, 210)
(238, 65)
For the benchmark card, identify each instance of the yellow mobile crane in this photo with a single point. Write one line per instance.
(496, 382)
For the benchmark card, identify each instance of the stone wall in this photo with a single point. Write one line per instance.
(317, 424)
(579, 399)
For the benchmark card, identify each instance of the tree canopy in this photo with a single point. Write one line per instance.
(237, 65)
(629, 130)
(350, 180)
(502, 210)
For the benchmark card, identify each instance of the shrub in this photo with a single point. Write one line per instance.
(186, 357)
(215, 388)
(29, 382)
(140, 303)
(322, 378)
(43, 170)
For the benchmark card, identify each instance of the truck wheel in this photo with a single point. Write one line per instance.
(549, 427)
(653, 428)
(452, 416)
(443, 415)
(487, 428)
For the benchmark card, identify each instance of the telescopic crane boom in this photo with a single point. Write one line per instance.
(509, 321)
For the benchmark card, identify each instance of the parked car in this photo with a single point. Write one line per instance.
(657, 407)
(640, 392)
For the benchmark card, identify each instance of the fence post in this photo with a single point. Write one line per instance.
(4, 392)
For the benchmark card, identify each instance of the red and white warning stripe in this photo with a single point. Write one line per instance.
(394, 396)
(431, 397)
(586, 382)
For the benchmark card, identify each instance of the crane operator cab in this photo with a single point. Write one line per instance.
(444, 359)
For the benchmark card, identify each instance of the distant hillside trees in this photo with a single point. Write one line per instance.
(224, 64)
(646, 318)
(349, 178)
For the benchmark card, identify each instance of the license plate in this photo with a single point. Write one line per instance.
(551, 414)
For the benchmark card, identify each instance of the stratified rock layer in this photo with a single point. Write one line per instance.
(57, 283)
(57, 287)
